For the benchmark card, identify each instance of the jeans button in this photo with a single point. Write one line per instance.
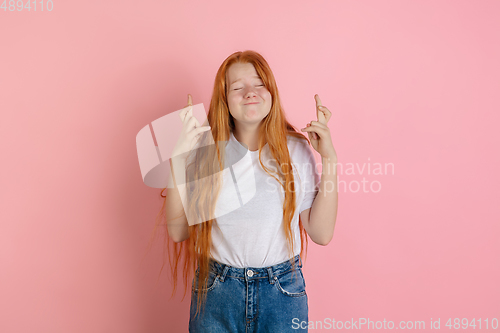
(250, 273)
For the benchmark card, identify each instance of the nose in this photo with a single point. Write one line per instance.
(250, 93)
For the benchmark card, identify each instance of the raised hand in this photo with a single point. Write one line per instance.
(319, 133)
(191, 130)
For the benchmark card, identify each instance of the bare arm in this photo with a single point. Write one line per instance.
(177, 224)
(319, 220)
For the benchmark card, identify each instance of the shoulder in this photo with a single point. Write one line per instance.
(298, 146)
(301, 153)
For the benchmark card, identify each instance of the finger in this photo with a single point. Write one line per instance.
(319, 124)
(314, 136)
(190, 123)
(315, 132)
(190, 99)
(189, 112)
(197, 133)
(316, 128)
(184, 112)
(309, 134)
(326, 112)
(200, 130)
(318, 101)
(319, 115)
(196, 123)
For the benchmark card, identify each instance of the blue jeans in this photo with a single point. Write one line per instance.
(245, 300)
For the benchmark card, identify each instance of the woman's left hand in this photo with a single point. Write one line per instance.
(319, 133)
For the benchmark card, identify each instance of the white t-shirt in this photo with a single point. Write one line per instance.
(253, 234)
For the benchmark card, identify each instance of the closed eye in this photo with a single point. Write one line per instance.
(261, 85)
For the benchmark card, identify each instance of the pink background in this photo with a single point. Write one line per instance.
(413, 83)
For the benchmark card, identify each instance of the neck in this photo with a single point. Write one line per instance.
(249, 137)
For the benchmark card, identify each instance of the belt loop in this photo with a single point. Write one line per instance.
(224, 272)
(270, 274)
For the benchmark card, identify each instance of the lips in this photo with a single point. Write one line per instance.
(252, 103)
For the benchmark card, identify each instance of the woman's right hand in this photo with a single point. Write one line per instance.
(191, 131)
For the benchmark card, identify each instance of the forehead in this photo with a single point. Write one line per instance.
(239, 71)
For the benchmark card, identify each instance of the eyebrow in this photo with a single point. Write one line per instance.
(255, 76)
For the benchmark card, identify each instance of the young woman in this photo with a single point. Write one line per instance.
(247, 261)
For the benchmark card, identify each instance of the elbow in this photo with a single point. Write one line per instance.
(178, 236)
(178, 239)
(326, 237)
(324, 241)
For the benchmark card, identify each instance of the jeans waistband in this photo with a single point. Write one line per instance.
(249, 273)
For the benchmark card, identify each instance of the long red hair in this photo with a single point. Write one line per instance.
(206, 162)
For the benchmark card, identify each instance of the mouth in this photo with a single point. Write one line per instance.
(252, 103)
